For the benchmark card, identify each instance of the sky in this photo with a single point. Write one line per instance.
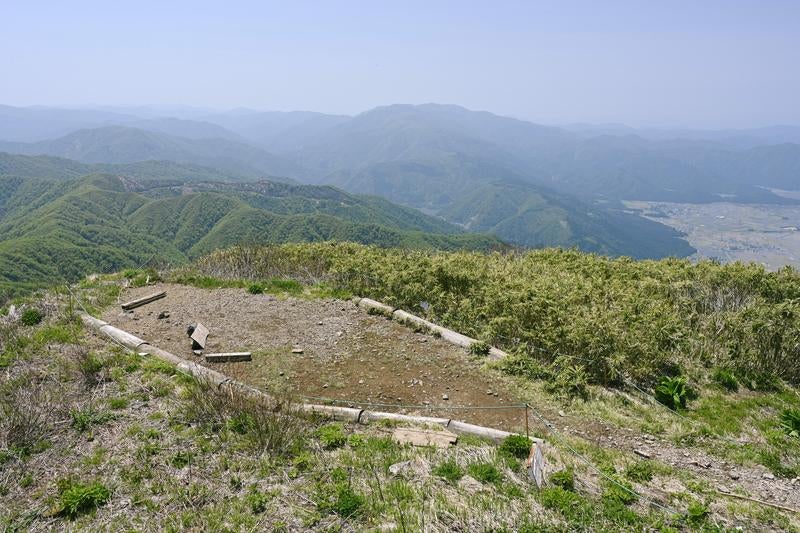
(698, 63)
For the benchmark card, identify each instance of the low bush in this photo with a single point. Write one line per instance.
(268, 425)
(479, 348)
(726, 380)
(89, 366)
(31, 316)
(697, 513)
(564, 479)
(673, 392)
(518, 446)
(640, 472)
(332, 436)
(790, 422)
(255, 288)
(76, 498)
(485, 472)
(449, 470)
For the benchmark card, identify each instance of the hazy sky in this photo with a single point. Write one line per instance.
(698, 63)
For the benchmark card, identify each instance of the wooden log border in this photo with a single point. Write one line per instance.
(413, 321)
(220, 380)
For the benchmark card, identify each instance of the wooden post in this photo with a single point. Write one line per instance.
(527, 432)
(127, 306)
(229, 357)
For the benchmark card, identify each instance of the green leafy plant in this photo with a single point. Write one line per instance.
(697, 513)
(255, 288)
(518, 446)
(641, 472)
(571, 382)
(485, 472)
(332, 436)
(673, 392)
(449, 470)
(78, 498)
(790, 422)
(479, 348)
(564, 479)
(31, 316)
(726, 380)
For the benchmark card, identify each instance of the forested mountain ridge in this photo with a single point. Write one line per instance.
(56, 229)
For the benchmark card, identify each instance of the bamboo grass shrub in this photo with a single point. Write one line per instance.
(615, 318)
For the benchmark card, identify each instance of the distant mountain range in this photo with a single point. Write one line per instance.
(529, 184)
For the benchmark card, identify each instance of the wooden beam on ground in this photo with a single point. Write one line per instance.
(535, 464)
(133, 304)
(424, 437)
(228, 357)
(199, 336)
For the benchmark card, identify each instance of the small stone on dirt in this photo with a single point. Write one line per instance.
(162, 315)
(561, 414)
(768, 475)
(297, 350)
(642, 453)
(360, 381)
(397, 468)
(723, 488)
(734, 475)
(470, 484)
(445, 397)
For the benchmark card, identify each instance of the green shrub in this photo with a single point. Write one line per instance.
(618, 491)
(564, 479)
(571, 382)
(518, 446)
(697, 513)
(571, 505)
(78, 498)
(479, 348)
(31, 316)
(340, 499)
(181, 459)
(673, 392)
(257, 500)
(86, 417)
(255, 288)
(485, 472)
(449, 470)
(790, 422)
(640, 472)
(118, 403)
(332, 436)
(240, 423)
(726, 380)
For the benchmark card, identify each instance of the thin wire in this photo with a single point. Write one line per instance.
(413, 406)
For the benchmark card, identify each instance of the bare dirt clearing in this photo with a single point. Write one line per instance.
(346, 353)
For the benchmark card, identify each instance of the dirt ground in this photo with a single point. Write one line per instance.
(347, 354)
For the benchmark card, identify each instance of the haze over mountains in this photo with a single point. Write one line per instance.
(528, 184)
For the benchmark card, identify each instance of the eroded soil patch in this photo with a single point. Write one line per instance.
(346, 353)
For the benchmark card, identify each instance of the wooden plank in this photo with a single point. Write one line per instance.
(535, 464)
(228, 357)
(133, 304)
(424, 437)
(199, 336)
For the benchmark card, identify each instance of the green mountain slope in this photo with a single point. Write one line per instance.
(55, 229)
(528, 216)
